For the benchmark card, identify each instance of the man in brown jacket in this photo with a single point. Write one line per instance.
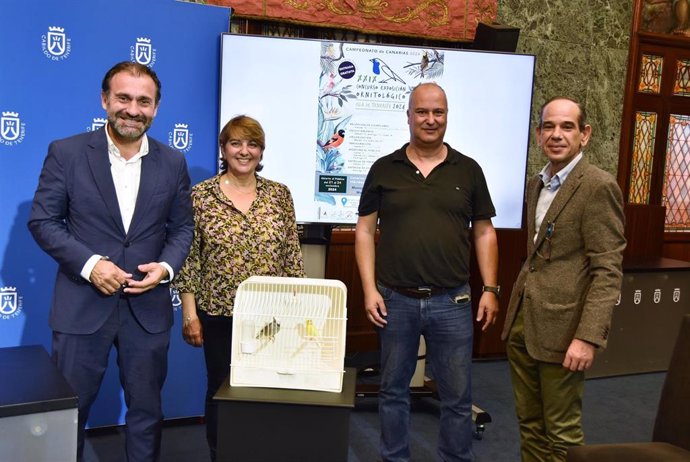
(560, 309)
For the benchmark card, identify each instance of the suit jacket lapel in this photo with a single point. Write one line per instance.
(99, 163)
(148, 181)
(565, 193)
(533, 189)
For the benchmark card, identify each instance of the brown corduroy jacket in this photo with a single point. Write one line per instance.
(572, 276)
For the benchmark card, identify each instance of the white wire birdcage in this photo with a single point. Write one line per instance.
(289, 333)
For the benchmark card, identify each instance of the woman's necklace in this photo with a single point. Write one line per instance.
(252, 188)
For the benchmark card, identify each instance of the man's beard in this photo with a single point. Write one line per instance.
(116, 122)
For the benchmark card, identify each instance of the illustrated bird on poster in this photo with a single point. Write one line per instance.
(379, 66)
(335, 140)
(424, 63)
(329, 56)
(429, 66)
(328, 87)
(329, 141)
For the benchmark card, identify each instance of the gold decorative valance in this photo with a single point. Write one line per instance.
(433, 19)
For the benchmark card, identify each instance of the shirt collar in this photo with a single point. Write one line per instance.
(400, 156)
(115, 151)
(554, 182)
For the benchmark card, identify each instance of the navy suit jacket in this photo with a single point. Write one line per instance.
(75, 214)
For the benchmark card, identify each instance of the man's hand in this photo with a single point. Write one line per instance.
(579, 356)
(488, 309)
(108, 277)
(376, 309)
(155, 273)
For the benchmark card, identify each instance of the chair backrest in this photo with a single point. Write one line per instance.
(673, 416)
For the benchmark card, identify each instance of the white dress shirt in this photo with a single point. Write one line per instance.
(550, 189)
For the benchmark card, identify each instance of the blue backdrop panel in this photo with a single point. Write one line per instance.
(55, 54)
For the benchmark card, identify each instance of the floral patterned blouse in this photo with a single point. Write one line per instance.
(229, 246)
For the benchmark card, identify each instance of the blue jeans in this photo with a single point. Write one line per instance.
(447, 327)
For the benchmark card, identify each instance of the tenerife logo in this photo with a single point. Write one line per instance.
(97, 123)
(56, 45)
(10, 303)
(180, 138)
(175, 298)
(142, 52)
(12, 129)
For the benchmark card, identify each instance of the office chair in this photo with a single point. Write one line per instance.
(671, 436)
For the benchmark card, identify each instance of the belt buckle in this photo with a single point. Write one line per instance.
(425, 292)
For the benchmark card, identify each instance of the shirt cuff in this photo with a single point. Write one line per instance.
(88, 267)
(171, 273)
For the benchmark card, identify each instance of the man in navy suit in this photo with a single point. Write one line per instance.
(113, 209)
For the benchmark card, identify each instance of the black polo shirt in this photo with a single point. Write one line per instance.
(424, 222)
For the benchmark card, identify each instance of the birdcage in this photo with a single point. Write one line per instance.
(289, 333)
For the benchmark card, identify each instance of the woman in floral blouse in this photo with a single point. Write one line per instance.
(244, 226)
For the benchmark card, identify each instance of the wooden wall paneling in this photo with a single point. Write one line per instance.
(512, 252)
(341, 265)
(677, 246)
(646, 240)
(644, 230)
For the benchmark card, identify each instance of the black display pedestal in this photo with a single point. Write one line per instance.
(271, 424)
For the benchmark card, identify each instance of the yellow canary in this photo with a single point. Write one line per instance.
(310, 329)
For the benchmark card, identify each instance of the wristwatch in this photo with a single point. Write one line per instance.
(494, 289)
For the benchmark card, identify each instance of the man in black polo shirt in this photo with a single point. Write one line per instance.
(424, 196)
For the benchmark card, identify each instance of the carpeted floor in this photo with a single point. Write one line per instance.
(618, 409)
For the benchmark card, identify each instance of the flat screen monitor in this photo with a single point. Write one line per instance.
(330, 109)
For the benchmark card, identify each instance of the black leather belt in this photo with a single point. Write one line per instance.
(419, 292)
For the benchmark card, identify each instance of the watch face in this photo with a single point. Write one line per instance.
(496, 290)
